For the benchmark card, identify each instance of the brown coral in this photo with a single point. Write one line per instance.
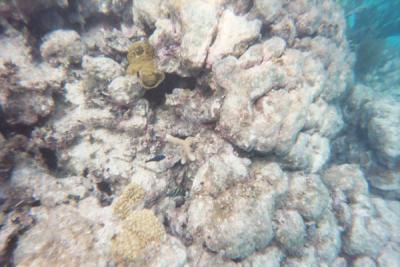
(142, 62)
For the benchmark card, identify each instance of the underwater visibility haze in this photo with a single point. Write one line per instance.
(210, 133)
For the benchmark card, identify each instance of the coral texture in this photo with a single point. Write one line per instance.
(254, 147)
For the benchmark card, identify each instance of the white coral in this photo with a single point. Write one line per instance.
(185, 146)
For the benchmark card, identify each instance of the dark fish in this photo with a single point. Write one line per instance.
(156, 158)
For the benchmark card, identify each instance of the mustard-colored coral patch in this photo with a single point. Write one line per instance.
(142, 62)
(130, 199)
(141, 230)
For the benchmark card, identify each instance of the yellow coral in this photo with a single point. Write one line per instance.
(142, 62)
(141, 231)
(130, 199)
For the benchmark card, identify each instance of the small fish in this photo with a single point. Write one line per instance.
(156, 158)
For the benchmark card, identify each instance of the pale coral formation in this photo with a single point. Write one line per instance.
(235, 34)
(290, 231)
(102, 68)
(308, 195)
(185, 147)
(214, 221)
(73, 238)
(62, 47)
(254, 147)
(124, 91)
(24, 81)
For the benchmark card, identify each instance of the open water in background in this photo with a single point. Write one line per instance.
(373, 28)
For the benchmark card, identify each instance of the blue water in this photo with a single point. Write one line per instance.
(371, 21)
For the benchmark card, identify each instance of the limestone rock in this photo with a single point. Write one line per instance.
(290, 231)
(199, 20)
(364, 261)
(308, 195)
(234, 34)
(62, 47)
(220, 173)
(77, 240)
(268, 9)
(218, 222)
(124, 90)
(272, 256)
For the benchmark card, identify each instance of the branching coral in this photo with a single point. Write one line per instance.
(142, 62)
(185, 147)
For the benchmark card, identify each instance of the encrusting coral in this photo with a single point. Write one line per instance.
(140, 230)
(130, 199)
(142, 62)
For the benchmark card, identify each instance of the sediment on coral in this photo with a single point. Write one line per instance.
(194, 133)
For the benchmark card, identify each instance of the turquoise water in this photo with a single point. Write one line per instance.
(373, 25)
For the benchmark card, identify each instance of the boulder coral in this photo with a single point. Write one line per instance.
(194, 133)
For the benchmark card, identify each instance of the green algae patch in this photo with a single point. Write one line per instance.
(142, 62)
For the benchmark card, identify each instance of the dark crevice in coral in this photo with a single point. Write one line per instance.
(85, 172)
(253, 154)
(3, 124)
(9, 130)
(50, 158)
(249, 7)
(109, 21)
(265, 31)
(7, 257)
(167, 224)
(44, 21)
(104, 187)
(2, 29)
(237, 260)
(148, 29)
(2, 201)
(156, 96)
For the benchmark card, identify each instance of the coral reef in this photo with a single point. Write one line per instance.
(254, 147)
